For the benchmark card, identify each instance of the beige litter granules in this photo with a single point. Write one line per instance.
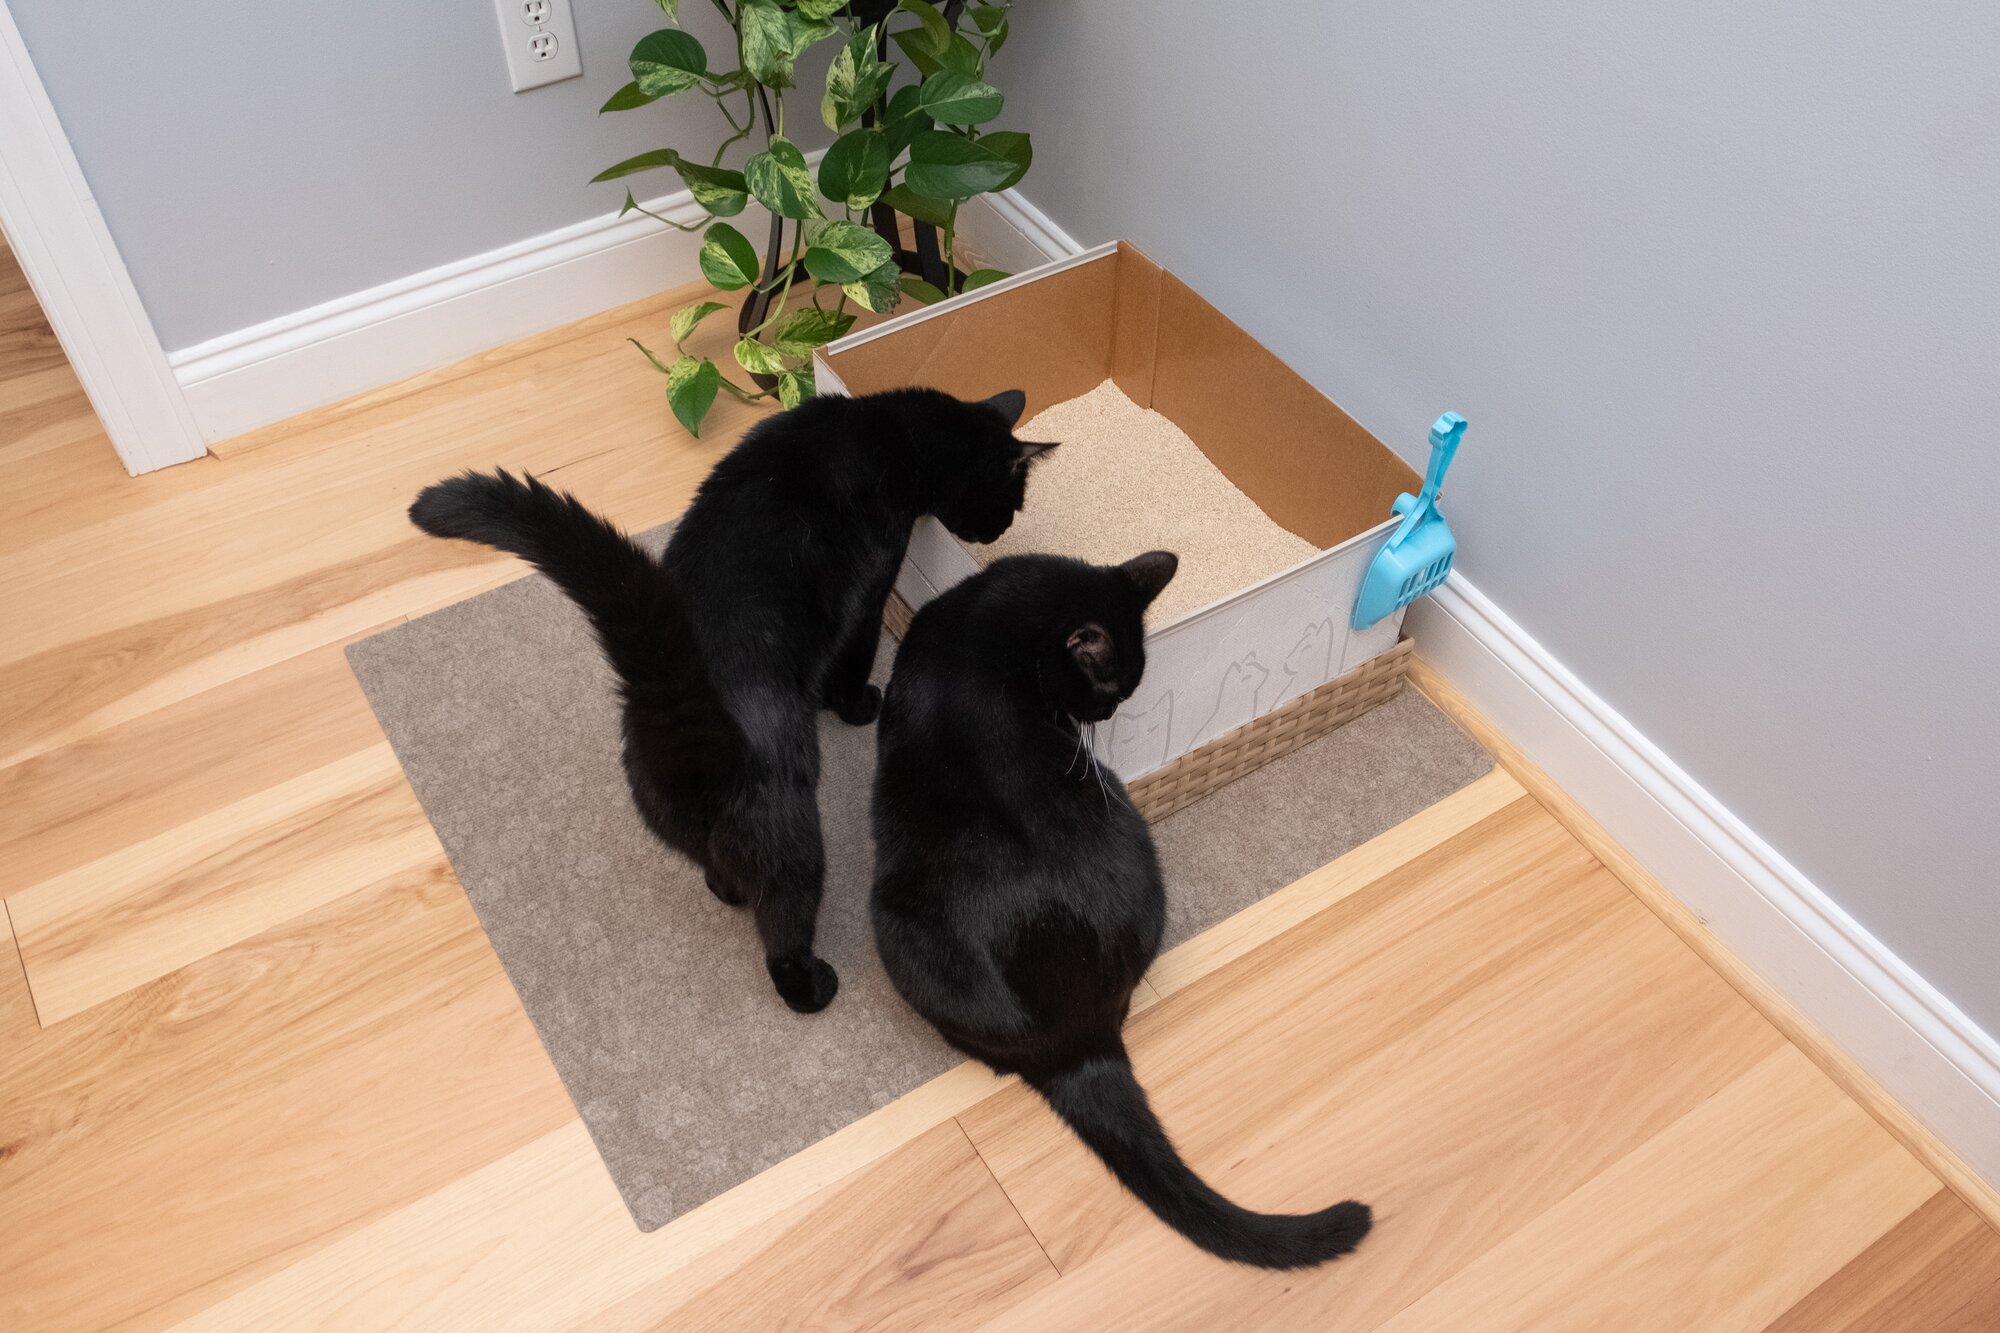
(1128, 480)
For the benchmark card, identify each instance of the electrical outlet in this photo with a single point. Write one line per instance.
(539, 37)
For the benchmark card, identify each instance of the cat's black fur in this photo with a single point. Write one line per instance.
(766, 606)
(1017, 896)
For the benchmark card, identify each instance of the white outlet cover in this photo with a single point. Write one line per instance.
(539, 37)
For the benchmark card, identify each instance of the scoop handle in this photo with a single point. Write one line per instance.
(1446, 432)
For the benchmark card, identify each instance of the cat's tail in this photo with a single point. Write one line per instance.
(1102, 1101)
(635, 605)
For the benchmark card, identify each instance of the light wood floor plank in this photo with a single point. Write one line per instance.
(1271, 916)
(18, 1024)
(1719, 1223)
(1938, 1271)
(144, 910)
(1982, 1196)
(186, 1139)
(166, 768)
(1462, 1045)
(540, 1238)
(924, 1240)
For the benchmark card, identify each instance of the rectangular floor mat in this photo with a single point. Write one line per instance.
(651, 996)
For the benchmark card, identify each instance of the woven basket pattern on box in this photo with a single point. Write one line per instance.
(1258, 741)
(1273, 736)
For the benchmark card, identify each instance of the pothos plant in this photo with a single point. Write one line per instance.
(917, 147)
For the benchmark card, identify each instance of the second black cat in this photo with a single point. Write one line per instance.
(1017, 898)
(766, 606)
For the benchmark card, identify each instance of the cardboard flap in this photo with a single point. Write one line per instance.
(1120, 316)
(1135, 324)
(1282, 442)
(1050, 338)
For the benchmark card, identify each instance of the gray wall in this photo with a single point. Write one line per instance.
(1718, 285)
(253, 158)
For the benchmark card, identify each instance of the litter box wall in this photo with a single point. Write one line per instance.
(1062, 329)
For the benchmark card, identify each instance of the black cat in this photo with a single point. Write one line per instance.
(1017, 896)
(766, 606)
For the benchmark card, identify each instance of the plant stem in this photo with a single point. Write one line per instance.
(638, 207)
(777, 307)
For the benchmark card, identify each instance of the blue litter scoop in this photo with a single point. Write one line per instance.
(1418, 553)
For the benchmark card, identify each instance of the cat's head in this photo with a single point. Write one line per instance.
(1092, 638)
(978, 470)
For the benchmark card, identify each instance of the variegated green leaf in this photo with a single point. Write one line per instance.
(684, 320)
(691, 386)
(758, 358)
(810, 327)
(856, 168)
(667, 61)
(846, 252)
(854, 81)
(779, 178)
(878, 291)
(795, 386)
(773, 38)
(727, 258)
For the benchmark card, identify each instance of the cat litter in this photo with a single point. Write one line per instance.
(1126, 480)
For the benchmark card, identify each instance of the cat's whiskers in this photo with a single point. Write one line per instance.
(1097, 767)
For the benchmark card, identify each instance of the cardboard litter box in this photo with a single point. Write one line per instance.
(1259, 672)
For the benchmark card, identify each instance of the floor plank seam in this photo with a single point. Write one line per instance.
(21, 961)
(1001, 1186)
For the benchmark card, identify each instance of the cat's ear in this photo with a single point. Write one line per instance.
(1009, 403)
(1091, 648)
(1033, 449)
(1151, 573)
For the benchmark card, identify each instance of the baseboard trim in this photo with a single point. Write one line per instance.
(1901, 1048)
(1012, 234)
(355, 343)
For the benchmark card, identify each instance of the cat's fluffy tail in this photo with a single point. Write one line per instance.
(634, 604)
(1102, 1101)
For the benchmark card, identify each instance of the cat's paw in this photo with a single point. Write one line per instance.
(862, 708)
(723, 889)
(806, 984)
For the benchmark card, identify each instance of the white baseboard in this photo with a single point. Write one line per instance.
(1923, 1051)
(1012, 234)
(361, 341)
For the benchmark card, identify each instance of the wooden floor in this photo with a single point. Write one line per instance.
(260, 1069)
